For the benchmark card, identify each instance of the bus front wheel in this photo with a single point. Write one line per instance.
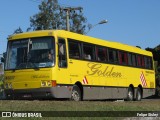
(130, 94)
(76, 94)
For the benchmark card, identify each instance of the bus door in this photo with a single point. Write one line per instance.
(75, 62)
(62, 76)
(62, 62)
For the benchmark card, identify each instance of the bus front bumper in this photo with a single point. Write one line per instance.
(38, 93)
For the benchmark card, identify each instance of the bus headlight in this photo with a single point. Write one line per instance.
(43, 83)
(48, 83)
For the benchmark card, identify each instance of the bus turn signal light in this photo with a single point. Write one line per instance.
(54, 83)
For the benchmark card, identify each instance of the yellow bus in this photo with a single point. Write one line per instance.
(62, 64)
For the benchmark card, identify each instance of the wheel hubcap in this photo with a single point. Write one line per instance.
(75, 96)
(130, 95)
(139, 96)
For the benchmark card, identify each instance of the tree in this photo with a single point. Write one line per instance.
(156, 56)
(78, 22)
(156, 53)
(50, 17)
(18, 30)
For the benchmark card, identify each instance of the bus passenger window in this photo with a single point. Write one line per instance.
(148, 63)
(123, 58)
(129, 59)
(134, 60)
(88, 52)
(142, 61)
(101, 54)
(139, 60)
(113, 55)
(62, 57)
(74, 50)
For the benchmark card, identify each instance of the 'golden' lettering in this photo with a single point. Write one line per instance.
(97, 69)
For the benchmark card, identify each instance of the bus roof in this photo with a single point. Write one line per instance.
(80, 37)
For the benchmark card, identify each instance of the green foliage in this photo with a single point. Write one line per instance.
(1, 77)
(48, 16)
(18, 30)
(77, 22)
(55, 105)
(156, 53)
(156, 56)
(51, 17)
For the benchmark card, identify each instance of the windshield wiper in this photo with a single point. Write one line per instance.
(29, 57)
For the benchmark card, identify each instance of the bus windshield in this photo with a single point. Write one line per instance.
(30, 53)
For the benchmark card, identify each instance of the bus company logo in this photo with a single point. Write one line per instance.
(6, 114)
(103, 71)
(21, 114)
(39, 76)
(143, 80)
(85, 81)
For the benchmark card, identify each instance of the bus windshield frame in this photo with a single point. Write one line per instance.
(30, 53)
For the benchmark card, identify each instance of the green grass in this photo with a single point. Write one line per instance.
(51, 105)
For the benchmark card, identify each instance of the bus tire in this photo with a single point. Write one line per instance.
(138, 94)
(76, 94)
(130, 94)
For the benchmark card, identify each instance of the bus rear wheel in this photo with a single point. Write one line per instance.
(76, 94)
(138, 94)
(130, 94)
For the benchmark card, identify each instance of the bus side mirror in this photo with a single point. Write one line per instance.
(3, 58)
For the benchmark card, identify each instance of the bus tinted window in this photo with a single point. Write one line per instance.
(142, 61)
(101, 54)
(148, 63)
(74, 50)
(134, 60)
(113, 55)
(139, 64)
(88, 52)
(123, 58)
(129, 59)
